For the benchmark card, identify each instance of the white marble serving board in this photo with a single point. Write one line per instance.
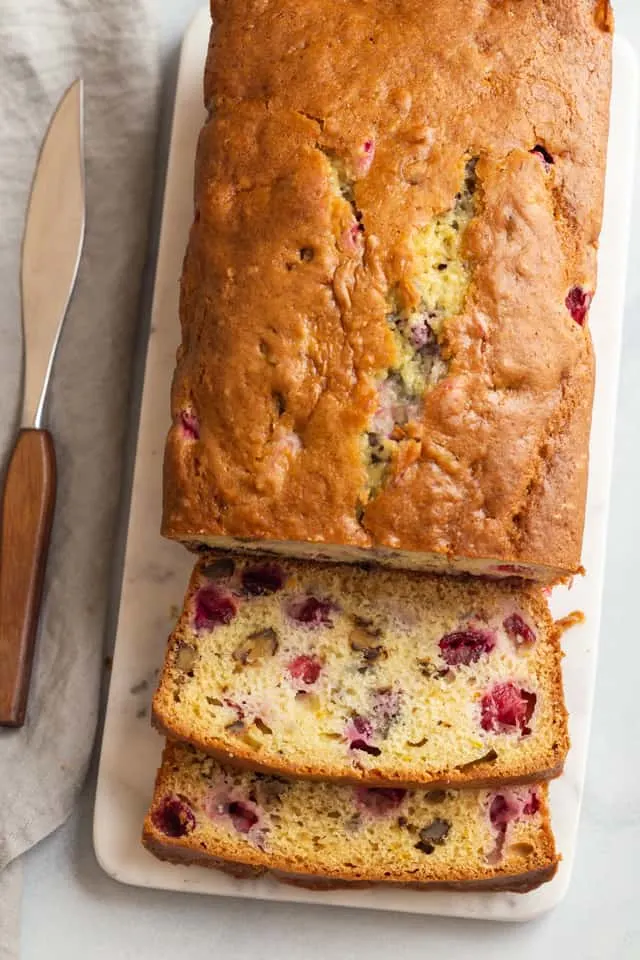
(156, 571)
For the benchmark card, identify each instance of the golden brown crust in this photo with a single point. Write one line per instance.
(176, 853)
(280, 356)
(521, 883)
(433, 590)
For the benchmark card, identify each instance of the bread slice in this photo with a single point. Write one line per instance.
(320, 834)
(380, 677)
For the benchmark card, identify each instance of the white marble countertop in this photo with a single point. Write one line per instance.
(73, 911)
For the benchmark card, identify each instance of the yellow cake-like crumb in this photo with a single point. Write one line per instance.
(437, 244)
(205, 812)
(323, 657)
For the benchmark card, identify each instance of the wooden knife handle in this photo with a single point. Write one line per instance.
(27, 514)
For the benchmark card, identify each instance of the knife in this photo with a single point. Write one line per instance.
(51, 249)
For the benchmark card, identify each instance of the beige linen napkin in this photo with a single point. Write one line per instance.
(43, 47)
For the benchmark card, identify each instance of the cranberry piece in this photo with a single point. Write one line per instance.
(497, 808)
(258, 581)
(530, 701)
(365, 747)
(502, 810)
(365, 157)
(518, 630)
(174, 817)
(423, 338)
(359, 732)
(190, 424)
(235, 706)
(511, 568)
(544, 153)
(509, 806)
(310, 611)
(305, 668)
(380, 800)
(387, 704)
(507, 705)
(577, 303)
(362, 725)
(242, 815)
(352, 238)
(214, 607)
(466, 646)
(386, 707)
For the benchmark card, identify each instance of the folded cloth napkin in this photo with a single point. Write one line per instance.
(43, 47)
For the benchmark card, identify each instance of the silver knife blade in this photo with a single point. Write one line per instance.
(51, 248)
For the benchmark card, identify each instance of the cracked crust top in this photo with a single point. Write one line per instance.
(372, 357)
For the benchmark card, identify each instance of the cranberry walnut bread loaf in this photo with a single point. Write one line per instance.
(382, 677)
(385, 295)
(326, 835)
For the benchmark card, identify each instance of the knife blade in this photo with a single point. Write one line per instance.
(51, 251)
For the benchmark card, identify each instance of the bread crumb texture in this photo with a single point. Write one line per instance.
(203, 812)
(379, 677)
